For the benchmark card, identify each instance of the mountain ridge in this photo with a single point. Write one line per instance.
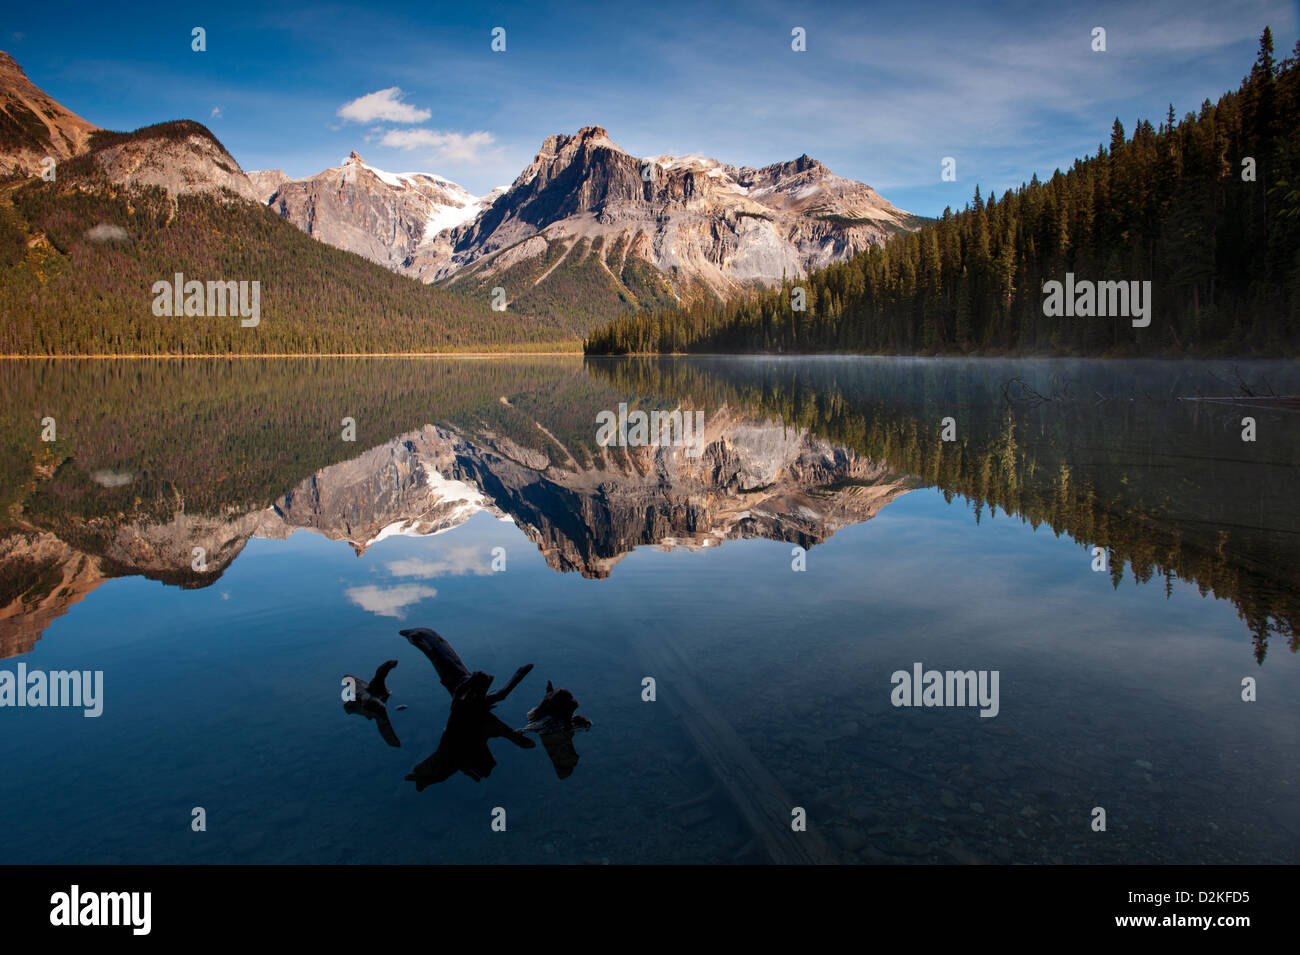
(586, 232)
(624, 232)
(33, 125)
(82, 250)
(385, 217)
(696, 220)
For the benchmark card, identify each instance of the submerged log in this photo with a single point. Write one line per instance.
(1280, 402)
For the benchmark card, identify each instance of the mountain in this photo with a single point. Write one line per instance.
(791, 451)
(182, 158)
(588, 225)
(33, 126)
(383, 216)
(588, 231)
(754, 478)
(80, 255)
(1195, 225)
(266, 182)
(692, 218)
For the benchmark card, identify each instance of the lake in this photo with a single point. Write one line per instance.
(1099, 560)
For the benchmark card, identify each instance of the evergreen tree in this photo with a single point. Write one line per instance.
(1169, 206)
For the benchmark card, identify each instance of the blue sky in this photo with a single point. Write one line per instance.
(883, 92)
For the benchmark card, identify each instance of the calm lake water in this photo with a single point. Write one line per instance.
(226, 540)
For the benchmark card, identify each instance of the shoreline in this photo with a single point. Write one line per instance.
(172, 356)
(175, 357)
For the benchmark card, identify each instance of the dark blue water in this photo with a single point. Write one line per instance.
(1122, 695)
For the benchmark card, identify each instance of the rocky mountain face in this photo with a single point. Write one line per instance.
(386, 217)
(585, 232)
(182, 157)
(591, 229)
(695, 221)
(33, 126)
(395, 488)
(751, 478)
(43, 578)
(43, 575)
(266, 182)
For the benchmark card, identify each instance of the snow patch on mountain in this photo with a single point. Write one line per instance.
(382, 215)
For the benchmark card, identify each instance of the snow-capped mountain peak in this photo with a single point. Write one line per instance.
(381, 215)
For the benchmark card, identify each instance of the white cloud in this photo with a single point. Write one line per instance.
(382, 105)
(389, 601)
(476, 147)
(455, 562)
(216, 113)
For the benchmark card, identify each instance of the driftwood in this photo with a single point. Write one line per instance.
(759, 799)
(471, 722)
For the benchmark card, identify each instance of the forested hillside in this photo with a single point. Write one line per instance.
(79, 256)
(1207, 209)
(586, 282)
(1053, 460)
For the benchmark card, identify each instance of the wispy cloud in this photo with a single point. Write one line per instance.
(454, 148)
(457, 561)
(382, 106)
(389, 601)
(1008, 87)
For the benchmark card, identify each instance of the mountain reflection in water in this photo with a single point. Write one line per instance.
(792, 451)
(179, 472)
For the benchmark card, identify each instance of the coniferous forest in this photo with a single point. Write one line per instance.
(63, 291)
(1020, 451)
(1206, 208)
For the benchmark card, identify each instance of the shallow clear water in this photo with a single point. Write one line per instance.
(222, 687)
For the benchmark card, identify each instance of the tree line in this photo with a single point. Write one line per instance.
(70, 287)
(1207, 209)
(1064, 462)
